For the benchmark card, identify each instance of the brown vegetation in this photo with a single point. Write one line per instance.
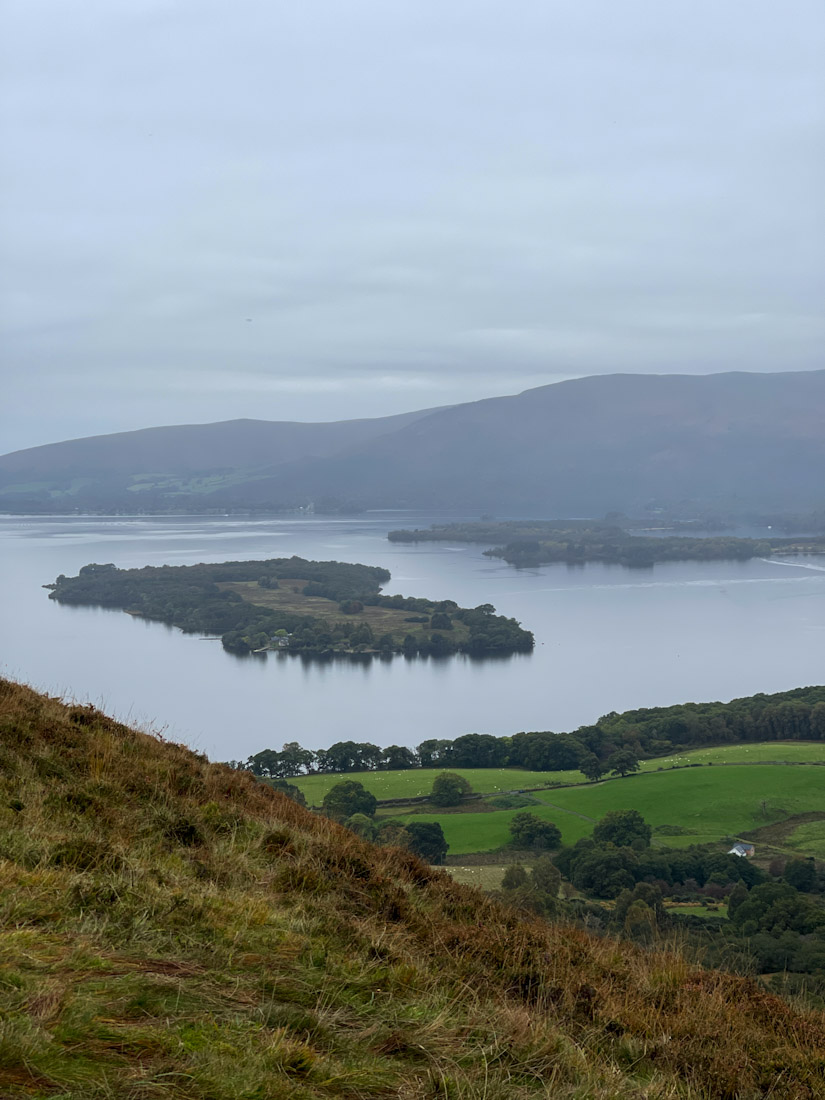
(382, 620)
(174, 929)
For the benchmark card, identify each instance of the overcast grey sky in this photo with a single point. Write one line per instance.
(318, 209)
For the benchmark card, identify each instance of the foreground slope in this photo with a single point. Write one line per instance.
(173, 929)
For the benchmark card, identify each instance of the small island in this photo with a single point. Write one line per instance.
(529, 543)
(291, 605)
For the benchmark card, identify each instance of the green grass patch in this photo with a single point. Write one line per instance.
(800, 752)
(419, 781)
(809, 839)
(715, 802)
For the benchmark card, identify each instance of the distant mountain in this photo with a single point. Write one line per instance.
(731, 442)
(180, 465)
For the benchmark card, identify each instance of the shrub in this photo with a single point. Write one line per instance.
(348, 798)
(449, 789)
(529, 831)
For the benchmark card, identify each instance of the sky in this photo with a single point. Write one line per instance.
(322, 210)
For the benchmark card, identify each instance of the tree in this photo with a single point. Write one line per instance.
(362, 825)
(427, 840)
(624, 828)
(515, 877)
(801, 873)
(294, 758)
(545, 878)
(478, 750)
(449, 789)
(398, 757)
(737, 896)
(393, 835)
(591, 767)
(362, 635)
(529, 831)
(434, 752)
(348, 798)
(289, 789)
(267, 762)
(605, 872)
(623, 763)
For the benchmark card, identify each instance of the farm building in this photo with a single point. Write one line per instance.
(746, 850)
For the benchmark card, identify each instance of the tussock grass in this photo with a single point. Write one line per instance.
(173, 930)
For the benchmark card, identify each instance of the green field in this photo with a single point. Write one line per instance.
(418, 781)
(714, 802)
(802, 752)
(809, 839)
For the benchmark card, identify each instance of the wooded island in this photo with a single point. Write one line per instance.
(315, 608)
(529, 543)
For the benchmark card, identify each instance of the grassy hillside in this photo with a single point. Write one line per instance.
(173, 930)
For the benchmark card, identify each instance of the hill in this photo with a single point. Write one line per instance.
(156, 467)
(733, 442)
(174, 929)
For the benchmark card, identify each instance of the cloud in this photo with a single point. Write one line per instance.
(319, 209)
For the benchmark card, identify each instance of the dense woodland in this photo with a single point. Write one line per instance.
(596, 750)
(774, 919)
(532, 543)
(191, 598)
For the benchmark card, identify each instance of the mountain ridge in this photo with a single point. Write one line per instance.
(622, 442)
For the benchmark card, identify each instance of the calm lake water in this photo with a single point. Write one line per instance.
(607, 638)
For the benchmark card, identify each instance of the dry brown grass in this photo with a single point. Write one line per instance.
(173, 929)
(383, 620)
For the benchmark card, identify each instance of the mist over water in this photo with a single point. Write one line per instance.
(607, 637)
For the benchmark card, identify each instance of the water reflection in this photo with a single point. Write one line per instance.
(607, 638)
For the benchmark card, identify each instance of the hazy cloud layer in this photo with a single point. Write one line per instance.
(320, 209)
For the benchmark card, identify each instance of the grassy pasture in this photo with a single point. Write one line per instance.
(795, 752)
(809, 839)
(715, 802)
(418, 781)
(383, 620)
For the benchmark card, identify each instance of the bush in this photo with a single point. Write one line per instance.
(623, 828)
(348, 798)
(529, 831)
(515, 877)
(427, 840)
(449, 789)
